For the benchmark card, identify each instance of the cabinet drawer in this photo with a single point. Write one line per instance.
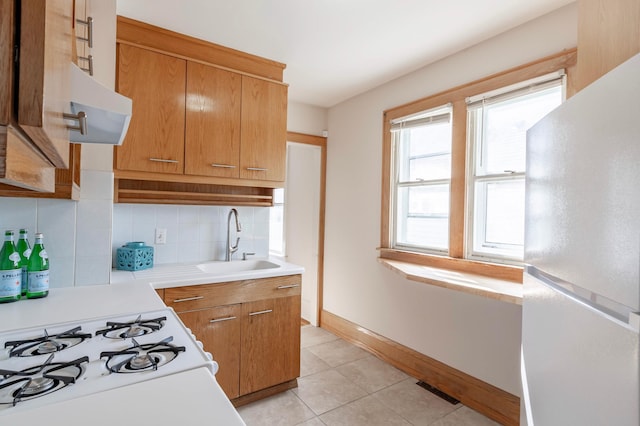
(202, 296)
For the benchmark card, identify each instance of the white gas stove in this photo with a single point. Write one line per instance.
(42, 366)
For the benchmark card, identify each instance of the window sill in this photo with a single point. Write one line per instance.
(493, 288)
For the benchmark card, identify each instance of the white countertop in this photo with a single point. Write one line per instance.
(183, 274)
(78, 303)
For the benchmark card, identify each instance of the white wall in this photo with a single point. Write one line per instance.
(309, 119)
(476, 335)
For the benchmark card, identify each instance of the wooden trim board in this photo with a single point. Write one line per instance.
(487, 399)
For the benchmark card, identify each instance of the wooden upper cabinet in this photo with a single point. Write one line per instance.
(212, 136)
(264, 130)
(156, 83)
(46, 37)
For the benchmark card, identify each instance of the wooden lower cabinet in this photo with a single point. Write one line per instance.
(218, 329)
(270, 343)
(251, 327)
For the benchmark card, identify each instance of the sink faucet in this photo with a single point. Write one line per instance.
(232, 249)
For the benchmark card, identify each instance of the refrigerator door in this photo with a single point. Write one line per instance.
(580, 358)
(583, 196)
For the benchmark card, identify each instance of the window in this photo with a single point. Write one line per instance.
(276, 223)
(422, 153)
(497, 127)
(454, 168)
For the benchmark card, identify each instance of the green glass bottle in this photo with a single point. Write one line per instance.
(24, 250)
(38, 270)
(10, 270)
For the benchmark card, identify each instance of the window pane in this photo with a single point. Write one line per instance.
(505, 127)
(499, 218)
(276, 229)
(505, 213)
(425, 152)
(423, 216)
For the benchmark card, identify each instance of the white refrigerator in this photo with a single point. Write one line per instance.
(580, 346)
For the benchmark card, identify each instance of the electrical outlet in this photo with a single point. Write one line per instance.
(161, 235)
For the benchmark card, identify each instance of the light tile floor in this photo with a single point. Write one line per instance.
(341, 384)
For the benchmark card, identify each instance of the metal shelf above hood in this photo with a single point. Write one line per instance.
(107, 113)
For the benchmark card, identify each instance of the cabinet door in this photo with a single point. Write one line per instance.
(219, 331)
(264, 130)
(46, 37)
(212, 139)
(156, 84)
(270, 343)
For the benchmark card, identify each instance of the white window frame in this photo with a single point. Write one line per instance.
(430, 116)
(501, 253)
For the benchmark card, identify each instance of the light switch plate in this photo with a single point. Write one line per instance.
(161, 236)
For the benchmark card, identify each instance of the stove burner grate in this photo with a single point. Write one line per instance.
(39, 380)
(47, 343)
(135, 328)
(145, 357)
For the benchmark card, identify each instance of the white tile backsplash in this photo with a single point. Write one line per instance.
(194, 233)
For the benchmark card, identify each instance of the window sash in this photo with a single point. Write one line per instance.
(402, 218)
(480, 175)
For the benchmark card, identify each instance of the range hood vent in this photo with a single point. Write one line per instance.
(107, 113)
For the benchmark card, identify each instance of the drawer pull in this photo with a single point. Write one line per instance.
(89, 61)
(89, 25)
(282, 287)
(222, 319)
(161, 160)
(257, 169)
(188, 299)
(223, 166)
(260, 312)
(81, 117)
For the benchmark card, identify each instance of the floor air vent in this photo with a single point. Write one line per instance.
(438, 392)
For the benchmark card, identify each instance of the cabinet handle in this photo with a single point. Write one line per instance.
(224, 166)
(222, 319)
(161, 160)
(188, 299)
(89, 67)
(260, 312)
(81, 117)
(89, 24)
(282, 287)
(257, 169)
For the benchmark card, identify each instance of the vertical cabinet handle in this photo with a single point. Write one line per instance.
(221, 319)
(267, 311)
(81, 117)
(89, 61)
(89, 25)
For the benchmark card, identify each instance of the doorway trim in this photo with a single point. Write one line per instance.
(320, 141)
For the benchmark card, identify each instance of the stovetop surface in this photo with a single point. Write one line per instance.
(171, 344)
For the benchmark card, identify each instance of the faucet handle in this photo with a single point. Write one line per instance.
(245, 254)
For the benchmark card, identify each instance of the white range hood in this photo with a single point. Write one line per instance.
(106, 112)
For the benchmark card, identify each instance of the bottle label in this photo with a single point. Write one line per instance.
(10, 282)
(38, 281)
(26, 253)
(43, 254)
(15, 256)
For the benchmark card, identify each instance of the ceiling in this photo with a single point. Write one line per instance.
(336, 49)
